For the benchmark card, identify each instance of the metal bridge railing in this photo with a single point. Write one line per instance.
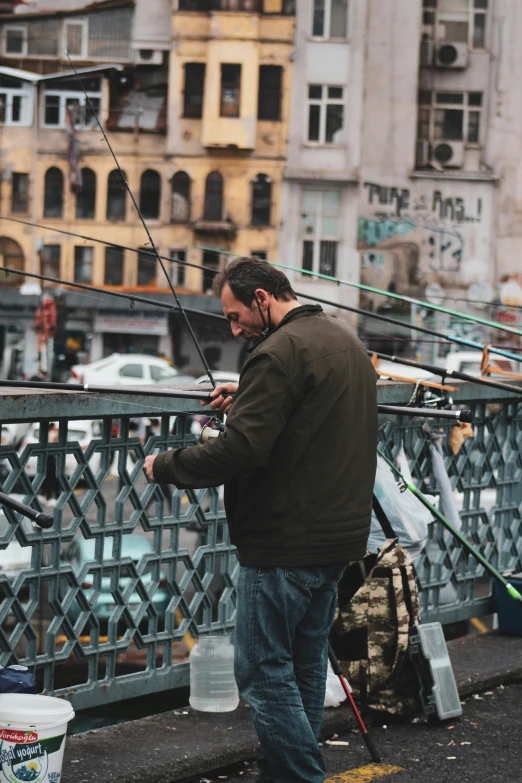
(106, 604)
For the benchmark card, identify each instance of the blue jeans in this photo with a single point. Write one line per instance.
(284, 616)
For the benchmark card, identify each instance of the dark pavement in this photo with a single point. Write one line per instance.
(183, 744)
(483, 745)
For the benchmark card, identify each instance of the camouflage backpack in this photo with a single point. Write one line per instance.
(371, 632)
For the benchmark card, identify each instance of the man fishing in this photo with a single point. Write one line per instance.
(298, 462)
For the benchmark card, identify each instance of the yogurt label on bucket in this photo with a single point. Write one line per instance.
(25, 758)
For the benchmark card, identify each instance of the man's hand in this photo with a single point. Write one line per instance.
(220, 401)
(149, 462)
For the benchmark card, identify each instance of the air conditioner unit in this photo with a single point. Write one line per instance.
(450, 154)
(426, 52)
(451, 55)
(148, 57)
(422, 154)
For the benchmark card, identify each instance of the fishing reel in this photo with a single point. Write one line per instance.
(436, 399)
(212, 429)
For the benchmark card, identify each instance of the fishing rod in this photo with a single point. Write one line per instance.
(399, 360)
(149, 236)
(459, 376)
(203, 396)
(513, 592)
(38, 517)
(130, 297)
(414, 328)
(222, 251)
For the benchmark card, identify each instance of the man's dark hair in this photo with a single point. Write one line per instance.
(245, 274)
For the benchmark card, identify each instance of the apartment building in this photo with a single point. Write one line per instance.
(195, 100)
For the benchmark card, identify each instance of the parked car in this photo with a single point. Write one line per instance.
(470, 362)
(82, 431)
(404, 371)
(125, 369)
(80, 553)
(220, 376)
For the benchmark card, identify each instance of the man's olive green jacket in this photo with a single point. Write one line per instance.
(298, 456)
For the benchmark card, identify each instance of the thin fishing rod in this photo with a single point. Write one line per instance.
(151, 241)
(513, 592)
(130, 297)
(387, 319)
(408, 299)
(459, 376)
(200, 267)
(203, 396)
(38, 517)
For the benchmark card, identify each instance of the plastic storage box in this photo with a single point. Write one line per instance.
(509, 611)
(437, 687)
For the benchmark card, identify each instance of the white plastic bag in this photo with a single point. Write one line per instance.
(335, 694)
(408, 517)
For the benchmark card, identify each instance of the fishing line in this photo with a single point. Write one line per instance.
(149, 236)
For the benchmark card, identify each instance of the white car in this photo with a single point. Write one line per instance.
(469, 362)
(220, 376)
(82, 431)
(124, 369)
(387, 369)
(15, 557)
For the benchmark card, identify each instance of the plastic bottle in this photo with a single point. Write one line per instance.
(212, 683)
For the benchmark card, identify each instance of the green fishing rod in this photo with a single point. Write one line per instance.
(415, 328)
(513, 592)
(338, 281)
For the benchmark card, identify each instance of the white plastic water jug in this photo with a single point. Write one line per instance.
(212, 683)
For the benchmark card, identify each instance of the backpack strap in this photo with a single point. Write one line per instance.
(383, 519)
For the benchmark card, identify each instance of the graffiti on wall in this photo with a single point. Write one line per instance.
(403, 235)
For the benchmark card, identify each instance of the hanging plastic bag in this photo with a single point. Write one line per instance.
(334, 694)
(408, 517)
(17, 679)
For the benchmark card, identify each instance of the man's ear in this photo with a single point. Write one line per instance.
(261, 296)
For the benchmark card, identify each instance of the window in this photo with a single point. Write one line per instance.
(44, 38)
(450, 116)
(320, 230)
(325, 114)
(230, 89)
(131, 371)
(16, 100)
(180, 212)
(269, 97)
(147, 267)
(261, 199)
(15, 39)
(11, 255)
(62, 102)
(330, 18)
(86, 196)
(116, 196)
(83, 264)
(194, 87)
(19, 192)
(214, 196)
(457, 21)
(75, 38)
(262, 254)
(150, 194)
(178, 268)
(210, 270)
(114, 265)
(53, 193)
(50, 260)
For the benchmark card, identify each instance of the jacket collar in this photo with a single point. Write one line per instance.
(303, 311)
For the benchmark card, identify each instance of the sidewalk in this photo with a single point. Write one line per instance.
(182, 743)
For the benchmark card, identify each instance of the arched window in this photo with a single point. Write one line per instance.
(180, 212)
(86, 196)
(11, 255)
(116, 196)
(150, 194)
(53, 193)
(261, 198)
(214, 196)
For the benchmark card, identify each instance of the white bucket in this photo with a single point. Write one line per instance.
(32, 737)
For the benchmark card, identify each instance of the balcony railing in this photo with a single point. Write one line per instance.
(106, 604)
